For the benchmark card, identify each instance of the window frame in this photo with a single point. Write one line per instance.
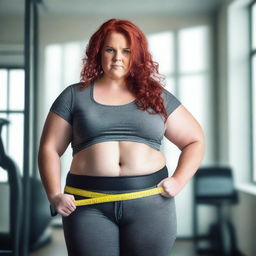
(8, 111)
(252, 54)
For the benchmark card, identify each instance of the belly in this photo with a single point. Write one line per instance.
(117, 158)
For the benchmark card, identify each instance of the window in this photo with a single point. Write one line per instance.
(62, 68)
(12, 108)
(184, 60)
(162, 47)
(253, 82)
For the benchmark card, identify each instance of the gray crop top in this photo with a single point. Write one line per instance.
(93, 122)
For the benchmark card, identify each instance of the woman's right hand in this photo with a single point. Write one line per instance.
(64, 204)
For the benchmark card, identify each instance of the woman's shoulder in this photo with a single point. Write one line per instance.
(171, 101)
(75, 86)
(78, 87)
(167, 94)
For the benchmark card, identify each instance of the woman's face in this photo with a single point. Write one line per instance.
(115, 56)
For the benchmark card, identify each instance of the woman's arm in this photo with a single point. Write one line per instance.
(55, 139)
(184, 131)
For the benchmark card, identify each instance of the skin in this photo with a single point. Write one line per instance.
(117, 158)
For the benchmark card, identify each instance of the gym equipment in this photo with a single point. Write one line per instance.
(10, 241)
(39, 215)
(214, 186)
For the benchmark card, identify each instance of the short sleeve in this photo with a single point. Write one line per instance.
(63, 104)
(171, 102)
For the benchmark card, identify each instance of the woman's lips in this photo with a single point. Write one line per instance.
(117, 66)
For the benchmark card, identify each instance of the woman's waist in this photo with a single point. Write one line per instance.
(111, 165)
(123, 158)
(112, 183)
(114, 169)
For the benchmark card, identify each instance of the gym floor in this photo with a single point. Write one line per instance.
(57, 246)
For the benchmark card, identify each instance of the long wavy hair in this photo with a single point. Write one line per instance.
(143, 78)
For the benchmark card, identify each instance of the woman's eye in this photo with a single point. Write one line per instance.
(127, 51)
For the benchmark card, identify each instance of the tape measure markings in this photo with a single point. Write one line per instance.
(103, 197)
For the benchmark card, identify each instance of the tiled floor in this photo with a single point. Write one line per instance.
(57, 247)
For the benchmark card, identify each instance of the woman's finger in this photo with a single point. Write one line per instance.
(63, 213)
(71, 207)
(66, 210)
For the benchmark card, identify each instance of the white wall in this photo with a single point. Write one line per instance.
(238, 91)
(221, 88)
(234, 119)
(11, 39)
(239, 124)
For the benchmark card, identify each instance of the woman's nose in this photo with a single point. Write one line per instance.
(118, 56)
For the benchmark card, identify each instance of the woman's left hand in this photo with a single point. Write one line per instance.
(171, 187)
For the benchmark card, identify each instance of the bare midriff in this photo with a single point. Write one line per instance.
(117, 158)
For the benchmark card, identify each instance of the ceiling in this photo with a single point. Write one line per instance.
(117, 8)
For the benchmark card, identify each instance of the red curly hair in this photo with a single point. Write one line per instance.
(143, 79)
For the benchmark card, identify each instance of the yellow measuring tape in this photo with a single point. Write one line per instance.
(96, 198)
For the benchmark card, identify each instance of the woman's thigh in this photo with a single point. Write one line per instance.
(148, 226)
(89, 232)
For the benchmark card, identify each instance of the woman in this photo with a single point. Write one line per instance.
(115, 119)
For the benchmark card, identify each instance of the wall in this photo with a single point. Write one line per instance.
(12, 38)
(234, 119)
(243, 217)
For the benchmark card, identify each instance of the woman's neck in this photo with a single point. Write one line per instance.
(112, 84)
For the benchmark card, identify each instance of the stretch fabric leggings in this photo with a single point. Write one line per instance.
(138, 227)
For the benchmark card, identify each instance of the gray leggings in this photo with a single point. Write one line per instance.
(137, 227)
